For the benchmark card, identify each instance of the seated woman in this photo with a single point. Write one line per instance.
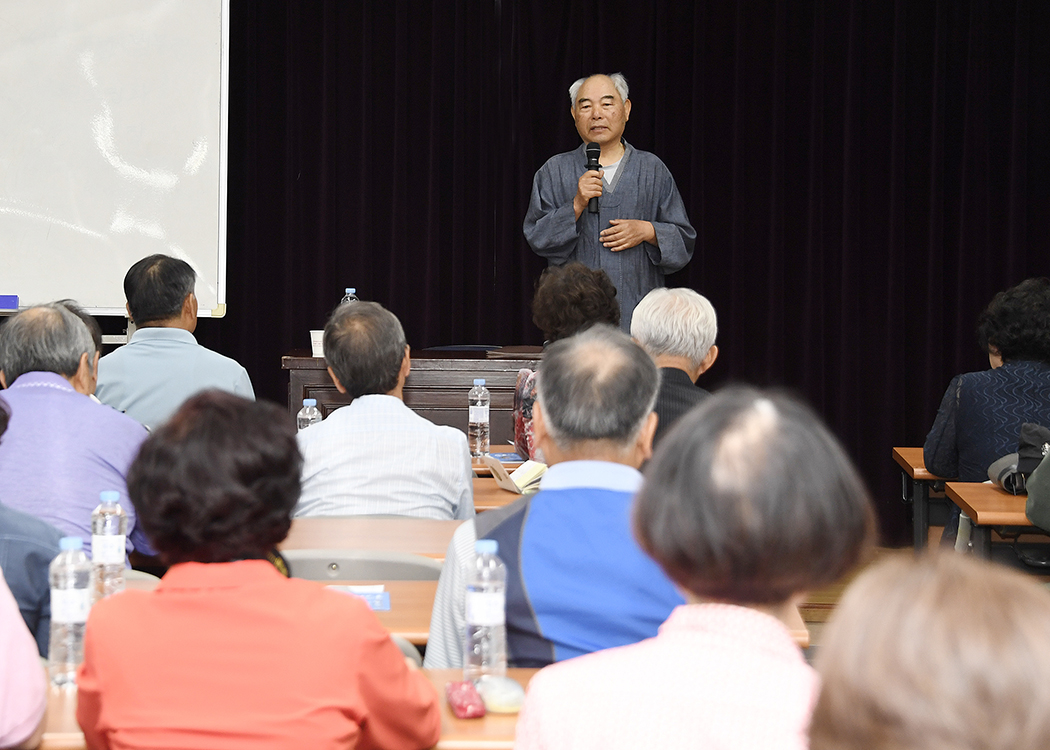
(226, 652)
(568, 299)
(939, 653)
(982, 412)
(747, 503)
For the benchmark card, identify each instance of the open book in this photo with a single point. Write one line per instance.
(523, 480)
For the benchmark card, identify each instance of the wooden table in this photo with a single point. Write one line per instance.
(492, 731)
(987, 505)
(482, 469)
(488, 495)
(915, 488)
(420, 536)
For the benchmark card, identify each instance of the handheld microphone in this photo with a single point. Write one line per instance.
(593, 152)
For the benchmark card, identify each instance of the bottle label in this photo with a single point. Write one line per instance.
(479, 414)
(486, 608)
(70, 606)
(107, 549)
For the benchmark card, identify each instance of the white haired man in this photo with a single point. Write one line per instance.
(641, 230)
(678, 328)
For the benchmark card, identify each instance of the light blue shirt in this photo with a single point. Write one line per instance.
(153, 374)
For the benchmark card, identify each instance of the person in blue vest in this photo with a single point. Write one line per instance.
(577, 581)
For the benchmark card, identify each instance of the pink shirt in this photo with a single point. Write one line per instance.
(23, 684)
(717, 676)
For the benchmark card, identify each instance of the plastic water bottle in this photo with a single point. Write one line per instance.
(485, 642)
(350, 296)
(478, 422)
(308, 415)
(70, 574)
(109, 529)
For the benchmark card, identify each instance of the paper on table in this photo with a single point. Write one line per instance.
(377, 599)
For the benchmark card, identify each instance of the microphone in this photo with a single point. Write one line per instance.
(593, 152)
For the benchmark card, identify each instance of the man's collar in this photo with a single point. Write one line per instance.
(159, 332)
(41, 379)
(601, 475)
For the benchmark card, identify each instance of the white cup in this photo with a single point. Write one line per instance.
(317, 343)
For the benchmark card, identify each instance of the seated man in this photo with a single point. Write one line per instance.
(163, 365)
(577, 581)
(377, 456)
(61, 448)
(27, 547)
(678, 328)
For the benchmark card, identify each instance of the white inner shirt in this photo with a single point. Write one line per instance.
(610, 172)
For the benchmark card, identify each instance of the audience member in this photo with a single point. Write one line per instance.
(23, 682)
(234, 654)
(678, 328)
(981, 413)
(377, 456)
(162, 364)
(576, 579)
(89, 320)
(571, 297)
(748, 503)
(27, 547)
(568, 299)
(61, 448)
(937, 653)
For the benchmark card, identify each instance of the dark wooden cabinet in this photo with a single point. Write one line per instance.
(436, 388)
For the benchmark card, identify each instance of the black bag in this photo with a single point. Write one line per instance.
(1012, 472)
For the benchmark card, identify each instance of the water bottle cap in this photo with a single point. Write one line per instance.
(70, 542)
(309, 402)
(479, 381)
(486, 546)
(109, 496)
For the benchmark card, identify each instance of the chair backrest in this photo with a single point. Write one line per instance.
(362, 565)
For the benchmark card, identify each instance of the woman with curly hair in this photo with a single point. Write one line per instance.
(226, 652)
(982, 412)
(568, 299)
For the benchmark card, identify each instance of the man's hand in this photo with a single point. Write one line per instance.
(589, 186)
(626, 233)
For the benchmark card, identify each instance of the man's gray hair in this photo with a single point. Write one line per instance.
(364, 344)
(678, 322)
(596, 385)
(619, 83)
(44, 338)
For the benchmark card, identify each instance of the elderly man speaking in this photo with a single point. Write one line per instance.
(640, 231)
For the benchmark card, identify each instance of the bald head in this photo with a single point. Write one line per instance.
(44, 338)
(596, 386)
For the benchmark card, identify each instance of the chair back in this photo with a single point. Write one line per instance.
(360, 565)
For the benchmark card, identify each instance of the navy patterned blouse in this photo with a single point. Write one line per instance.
(981, 415)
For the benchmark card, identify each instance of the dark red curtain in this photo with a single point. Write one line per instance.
(863, 178)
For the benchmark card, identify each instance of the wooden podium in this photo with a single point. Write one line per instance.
(436, 388)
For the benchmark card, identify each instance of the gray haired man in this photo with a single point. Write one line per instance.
(678, 328)
(576, 579)
(639, 231)
(61, 448)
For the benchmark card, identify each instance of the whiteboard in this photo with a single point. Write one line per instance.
(112, 146)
